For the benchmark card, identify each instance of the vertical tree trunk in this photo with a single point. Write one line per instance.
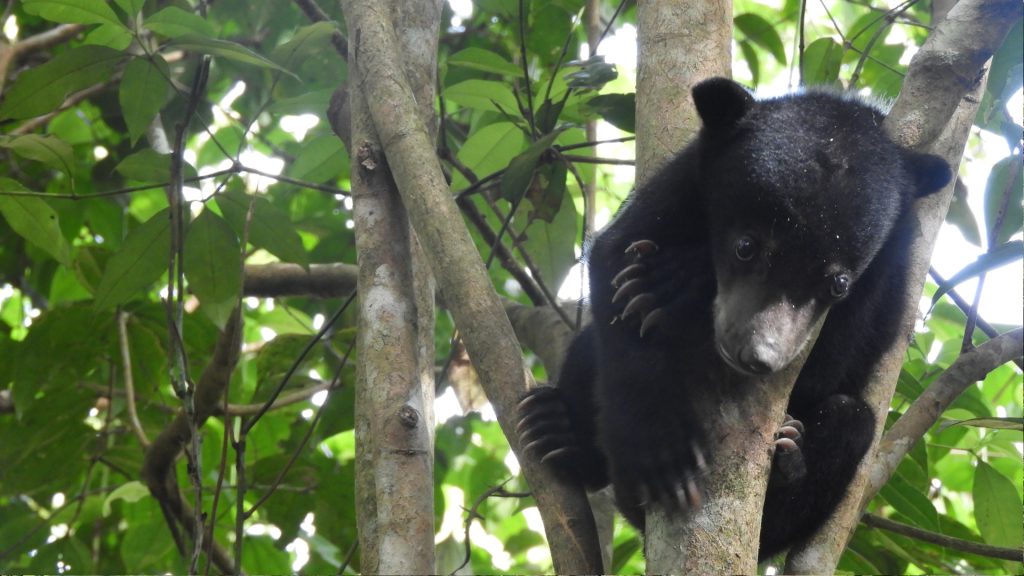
(395, 390)
(682, 42)
(374, 65)
(679, 43)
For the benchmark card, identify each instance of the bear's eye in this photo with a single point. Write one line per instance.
(745, 248)
(839, 285)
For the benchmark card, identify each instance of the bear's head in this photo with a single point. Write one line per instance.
(804, 193)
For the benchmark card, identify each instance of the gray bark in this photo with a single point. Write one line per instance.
(395, 391)
(376, 70)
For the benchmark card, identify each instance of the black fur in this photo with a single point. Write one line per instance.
(779, 211)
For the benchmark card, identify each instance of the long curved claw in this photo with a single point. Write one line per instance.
(628, 273)
(652, 319)
(641, 248)
(642, 302)
(628, 289)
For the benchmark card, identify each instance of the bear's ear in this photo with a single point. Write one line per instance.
(931, 173)
(721, 102)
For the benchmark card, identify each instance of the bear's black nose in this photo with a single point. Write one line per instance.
(751, 362)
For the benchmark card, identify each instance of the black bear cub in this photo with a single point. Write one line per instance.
(779, 211)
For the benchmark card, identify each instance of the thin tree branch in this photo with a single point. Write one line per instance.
(316, 14)
(282, 279)
(129, 380)
(925, 411)
(960, 544)
(473, 513)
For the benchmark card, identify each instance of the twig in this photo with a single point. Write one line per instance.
(942, 540)
(526, 71)
(472, 514)
(77, 97)
(596, 160)
(248, 424)
(904, 434)
(349, 555)
(993, 235)
(316, 14)
(129, 380)
(305, 439)
(889, 18)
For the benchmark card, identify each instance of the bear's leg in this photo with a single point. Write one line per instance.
(648, 429)
(557, 424)
(837, 434)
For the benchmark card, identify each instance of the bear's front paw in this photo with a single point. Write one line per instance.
(544, 427)
(633, 287)
(667, 475)
(788, 465)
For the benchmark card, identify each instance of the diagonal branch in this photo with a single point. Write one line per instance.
(934, 112)
(158, 464)
(376, 69)
(970, 367)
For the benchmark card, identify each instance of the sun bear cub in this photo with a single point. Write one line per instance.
(779, 211)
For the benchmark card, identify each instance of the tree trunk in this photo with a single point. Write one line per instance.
(681, 43)
(375, 67)
(395, 390)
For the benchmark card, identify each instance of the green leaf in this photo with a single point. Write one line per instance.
(961, 216)
(261, 551)
(116, 37)
(140, 261)
(548, 190)
(619, 110)
(1005, 179)
(822, 60)
(761, 32)
(131, 7)
(49, 150)
(490, 149)
(484, 61)
(752, 59)
(72, 11)
(483, 95)
(911, 503)
(50, 437)
(314, 102)
(44, 87)
(547, 115)
(147, 165)
(34, 220)
(306, 42)
(147, 545)
(320, 159)
(213, 266)
(623, 552)
(224, 49)
(143, 92)
(861, 32)
(593, 74)
(173, 22)
(997, 508)
(520, 170)
(999, 256)
(132, 491)
(270, 229)
(551, 244)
